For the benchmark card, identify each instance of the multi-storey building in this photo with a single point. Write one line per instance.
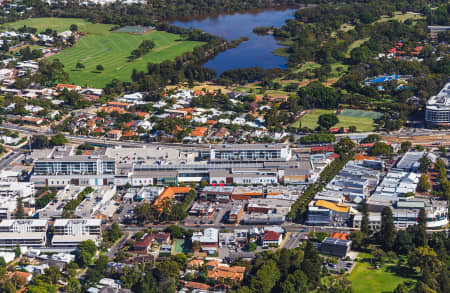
(70, 232)
(250, 152)
(437, 111)
(23, 232)
(62, 167)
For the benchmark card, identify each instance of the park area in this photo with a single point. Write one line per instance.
(386, 278)
(362, 120)
(101, 46)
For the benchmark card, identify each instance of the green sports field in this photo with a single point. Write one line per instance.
(362, 120)
(110, 49)
(385, 279)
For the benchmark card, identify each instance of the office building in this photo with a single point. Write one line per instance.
(335, 247)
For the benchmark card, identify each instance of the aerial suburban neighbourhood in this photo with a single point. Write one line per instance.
(224, 146)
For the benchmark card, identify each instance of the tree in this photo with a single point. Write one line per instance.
(116, 232)
(8, 287)
(344, 146)
(74, 285)
(358, 239)
(443, 280)
(53, 274)
(20, 212)
(380, 148)
(295, 282)
(401, 288)
(79, 65)
(365, 218)
(39, 142)
(425, 164)
(251, 246)
(266, 277)
(74, 27)
(422, 257)
(440, 167)
(371, 138)
(99, 67)
(2, 267)
(424, 185)
(418, 232)
(387, 231)
(403, 242)
(311, 264)
(203, 183)
(405, 146)
(58, 139)
(17, 251)
(328, 120)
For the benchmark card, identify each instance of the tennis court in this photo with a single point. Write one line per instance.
(361, 114)
(182, 246)
(134, 29)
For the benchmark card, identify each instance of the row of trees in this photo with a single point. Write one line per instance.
(42, 141)
(145, 47)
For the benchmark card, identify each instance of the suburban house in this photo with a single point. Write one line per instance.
(271, 238)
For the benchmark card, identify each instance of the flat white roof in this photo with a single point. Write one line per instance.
(89, 222)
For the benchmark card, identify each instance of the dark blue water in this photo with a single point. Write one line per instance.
(257, 51)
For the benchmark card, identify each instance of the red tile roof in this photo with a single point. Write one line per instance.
(271, 236)
(144, 242)
(337, 235)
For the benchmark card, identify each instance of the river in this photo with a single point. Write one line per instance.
(257, 51)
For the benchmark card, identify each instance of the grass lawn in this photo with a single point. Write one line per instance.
(384, 279)
(310, 120)
(345, 27)
(401, 17)
(54, 23)
(109, 49)
(356, 44)
(309, 65)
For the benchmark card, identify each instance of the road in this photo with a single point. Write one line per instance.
(12, 156)
(100, 141)
(288, 226)
(116, 247)
(415, 135)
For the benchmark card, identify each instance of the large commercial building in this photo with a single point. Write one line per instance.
(61, 166)
(406, 213)
(228, 164)
(250, 152)
(70, 232)
(437, 111)
(23, 232)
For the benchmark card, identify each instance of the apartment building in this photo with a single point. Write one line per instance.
(61, 166)
(70, 232)
(437, 111)
(23, 232)
(250, 152)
